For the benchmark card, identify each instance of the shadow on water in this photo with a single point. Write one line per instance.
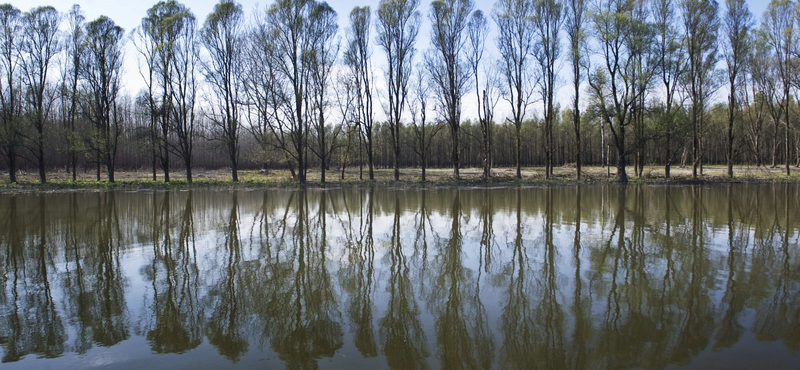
(544, 278)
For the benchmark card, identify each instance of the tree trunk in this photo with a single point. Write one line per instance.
(578, 153)
(519, 151)
(235, 169)
(622, 176)
(787, 133)
(370, 162)
(667, 158)
(423, 168)
(74, 167)
(396, 145)
(695, 143)
(188, 171)
(110, 170)
(454, 154)
(731, 115)
(12, 165)
(42, 175)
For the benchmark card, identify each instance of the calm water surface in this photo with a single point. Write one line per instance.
(596, 277)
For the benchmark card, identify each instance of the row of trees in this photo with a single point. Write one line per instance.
(643, 75)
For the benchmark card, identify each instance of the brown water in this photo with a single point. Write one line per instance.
(590, 277)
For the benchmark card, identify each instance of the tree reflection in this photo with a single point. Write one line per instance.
(733, 302)
(462, 334)
(645, 277)
(402, 336)
(779, 317)
(96, 286)
(487, 230)
(698, 322)
(31, 321)
(518, 320)
(303, 315)
(550, 334)
(224, 329)
(357, 275)
(173, 274)
(580, 305)
(13, 336)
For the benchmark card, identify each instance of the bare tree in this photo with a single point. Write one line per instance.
(74, 46)
(222, 37)
(40, 44)
(446, 64)
(516, 45)
(262, 88)
(477, 31)
(398, 27)
(346, 101)
(423, 131)
(10, 104)
(577, 38)
(161, 29)
(761, 90)
(102, 70)
(548, 19)
(700, 24)
(322, 55)
(737, 23)
(358, 60)
(290, 40)
(778, 27)
(671, 66)
(612, 88)
(644, 63)
(184, 90)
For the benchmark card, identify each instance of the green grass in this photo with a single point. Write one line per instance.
(409, 177)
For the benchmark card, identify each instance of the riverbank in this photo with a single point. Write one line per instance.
(409, 177)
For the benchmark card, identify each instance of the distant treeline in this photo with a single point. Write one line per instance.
(286, 88)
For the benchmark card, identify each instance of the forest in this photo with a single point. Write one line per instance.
(648, 83)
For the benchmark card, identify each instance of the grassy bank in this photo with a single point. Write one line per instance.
(409, 177)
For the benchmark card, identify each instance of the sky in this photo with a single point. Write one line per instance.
(128, 15)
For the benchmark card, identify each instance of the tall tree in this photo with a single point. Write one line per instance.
(701, 23)
(261, 87)
(162, 27)
(548, 19)
(446, 64)
(146, 46)
(423, 131)
(292, 43)
(611, 83)
(577, 38)
(515, 42)
(644, 61)
(761, 91)
(10, 105)
(357, 57)
(184, 90)
(102, 70)
(477, 31)
(40, 44)
(222, 37)
(322, 29)
(737, 24)
(398, 27)
(671, 66)
(778, 27)
(75, 46)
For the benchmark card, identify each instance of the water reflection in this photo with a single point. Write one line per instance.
(549, 278)
(402, 335)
